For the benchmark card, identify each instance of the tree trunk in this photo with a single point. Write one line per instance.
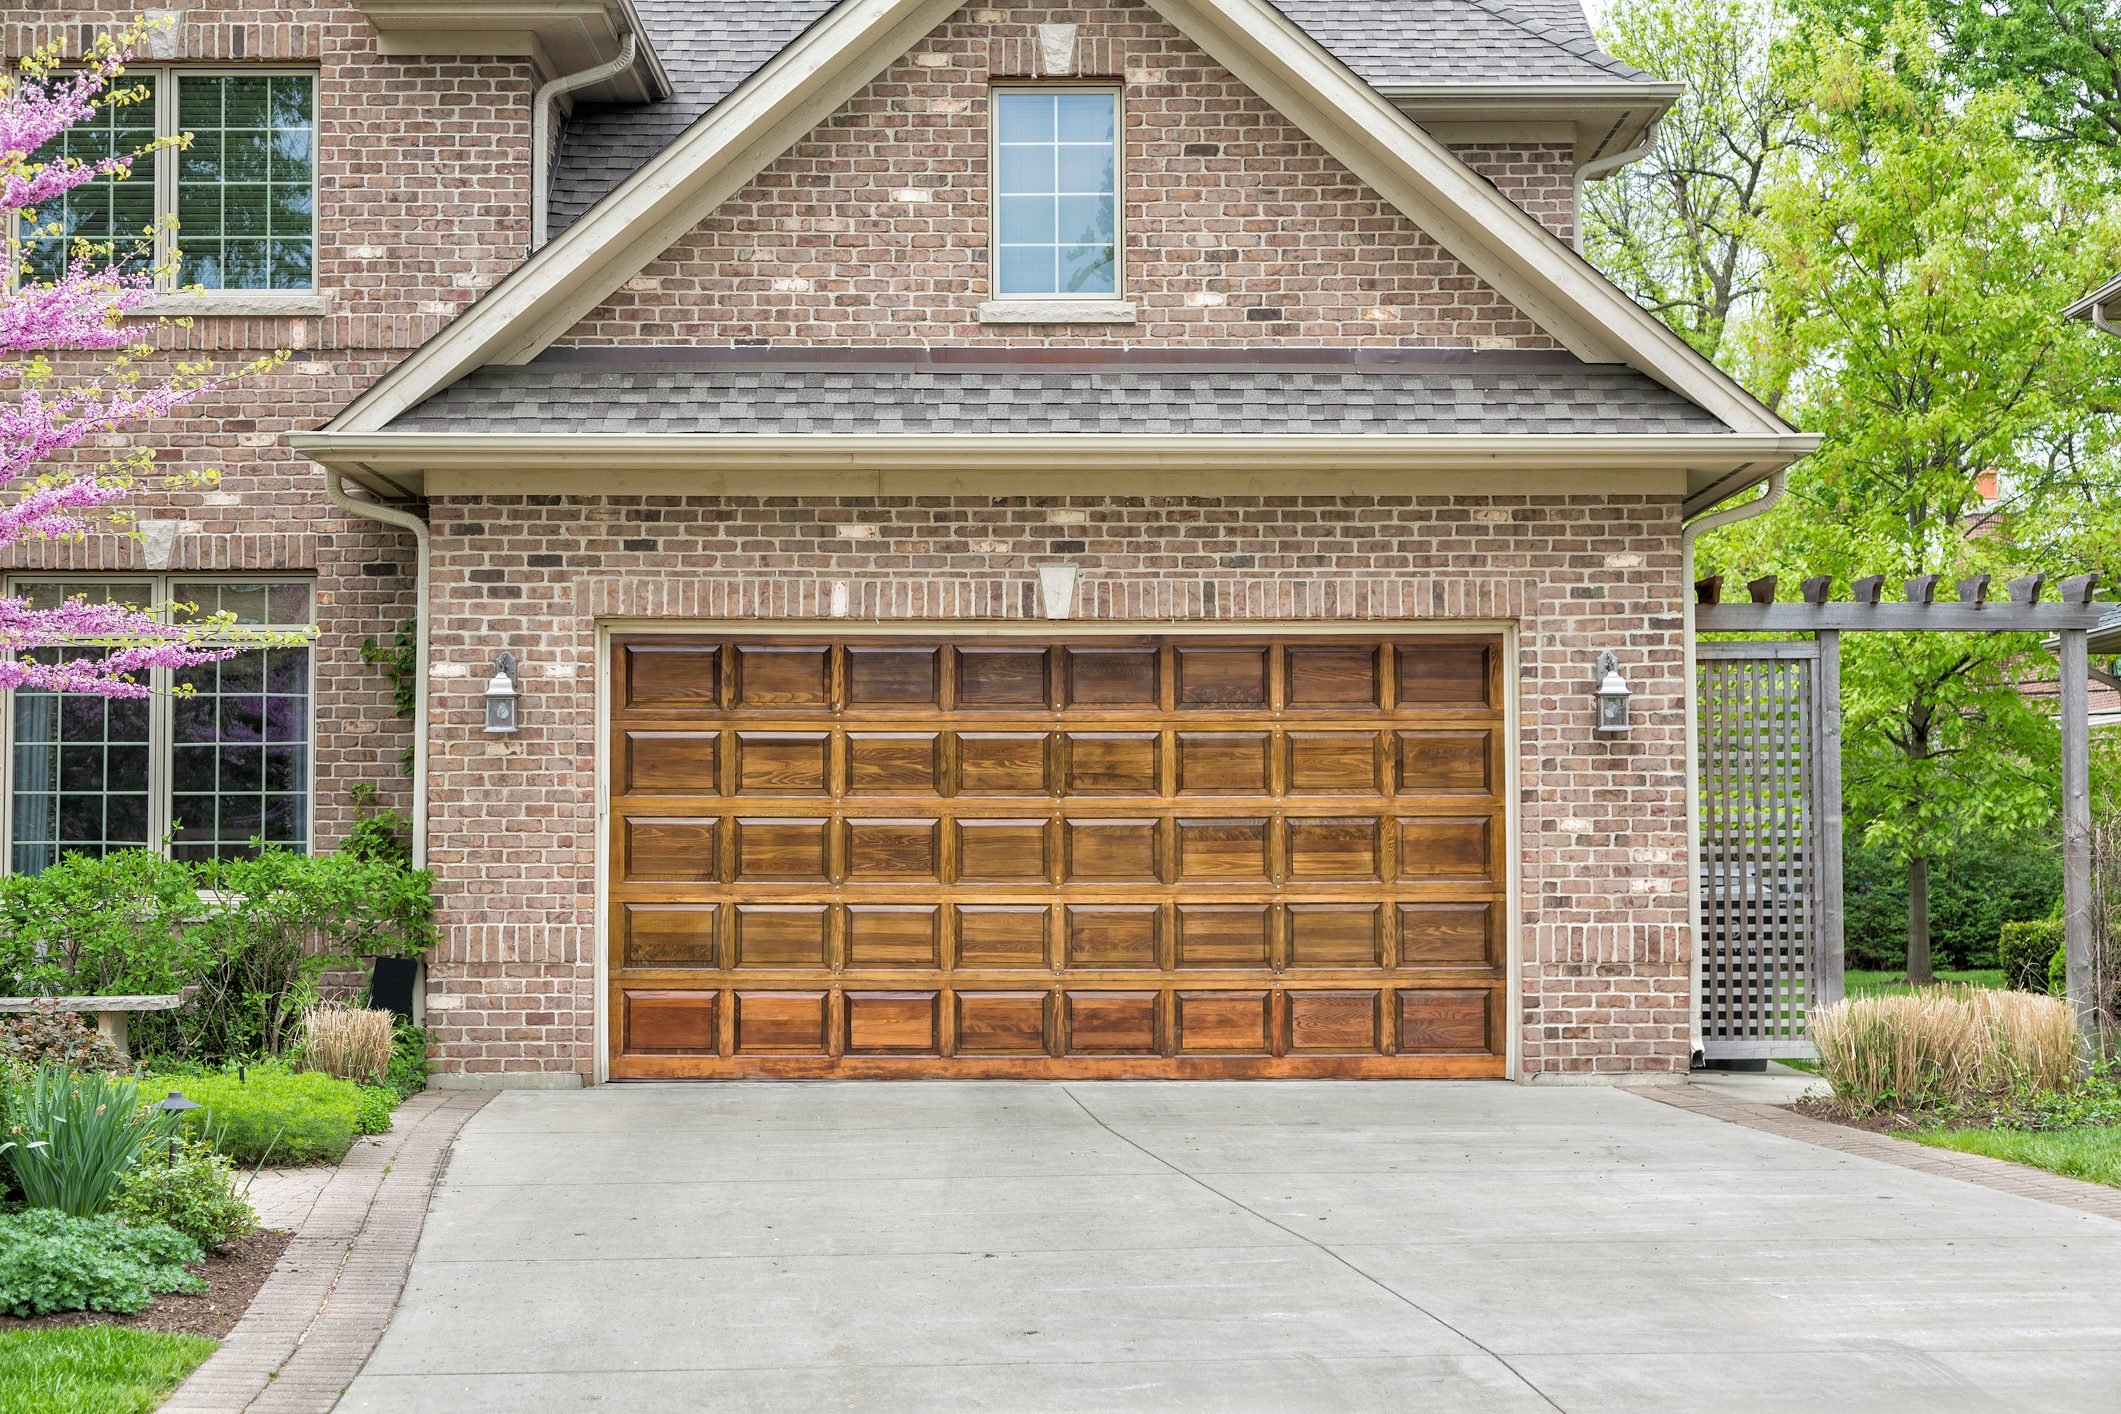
(1918, 922)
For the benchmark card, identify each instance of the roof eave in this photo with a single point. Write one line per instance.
(2084, 308)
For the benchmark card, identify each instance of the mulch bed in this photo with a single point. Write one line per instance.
(1812, 1107)
(233, 1276)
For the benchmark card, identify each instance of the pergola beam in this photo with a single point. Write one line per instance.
(1947, 617)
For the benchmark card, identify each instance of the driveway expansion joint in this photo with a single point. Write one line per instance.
(321, 1312)
(2000, 1175)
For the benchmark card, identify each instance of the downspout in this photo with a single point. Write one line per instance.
(1777, 483)
(1598, 167)
(541, 109)
(335, 487)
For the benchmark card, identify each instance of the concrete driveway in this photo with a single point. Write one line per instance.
(1267, 1246)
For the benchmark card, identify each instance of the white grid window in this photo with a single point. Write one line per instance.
(1056, 184)
(212, 771)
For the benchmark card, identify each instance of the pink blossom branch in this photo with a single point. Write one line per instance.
(133, 642)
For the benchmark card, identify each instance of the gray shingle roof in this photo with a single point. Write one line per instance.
(587, 391)
(709, 47)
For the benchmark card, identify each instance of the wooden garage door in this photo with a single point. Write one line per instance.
(1092, 857)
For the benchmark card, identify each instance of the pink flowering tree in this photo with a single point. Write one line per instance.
(71, 377)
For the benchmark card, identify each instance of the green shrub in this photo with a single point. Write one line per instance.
(267, 1113)
(2058, 974)
(2023, 951)
(75, 1135)
(409, 1065)
(121, 923)
(1975, 889)
(372, 1107)
(50, 1261)
(196, 1193)
(280, 921)
(46, 1035)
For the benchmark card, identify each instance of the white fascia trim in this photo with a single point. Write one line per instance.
(1502, 244)
(567, 278)
(1620, 93)
(399, 453)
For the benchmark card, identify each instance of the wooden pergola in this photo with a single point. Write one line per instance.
(2067, 620)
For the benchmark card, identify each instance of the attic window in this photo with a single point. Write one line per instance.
(1056, 182)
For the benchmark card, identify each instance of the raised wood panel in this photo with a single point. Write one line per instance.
(781, 935)
(1444, 1022)
(670, 675)
(781, 1022)
(1332, 1023)
(1001, 1023)
(1112, 1023)
(1454, 848)
(1152, 856)
(669, 1023)
(672, 763)
(671, 851)
(892, 1023)
(1223, 1023)
(673, 935)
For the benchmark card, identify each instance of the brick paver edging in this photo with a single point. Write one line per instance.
(321, 1312)
(1999, 1174)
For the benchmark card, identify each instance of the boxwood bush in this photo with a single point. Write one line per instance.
(2024, 950)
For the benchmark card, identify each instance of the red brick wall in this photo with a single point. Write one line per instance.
(1603, 901)
(1539, 177)
(1238, 229)
(423, 202)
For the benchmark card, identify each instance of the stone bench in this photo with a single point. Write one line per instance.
(111, 1013)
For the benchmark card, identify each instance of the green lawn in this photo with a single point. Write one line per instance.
(93, 1369)
(2088, 1152)
(1893, 982)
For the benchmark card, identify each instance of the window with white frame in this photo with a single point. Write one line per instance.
(243, 191)
(224, 763)
(1056, 192)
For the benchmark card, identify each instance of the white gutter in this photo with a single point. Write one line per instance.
(2100, 322)
(1778, 482)
(335, 487)
(541, 108)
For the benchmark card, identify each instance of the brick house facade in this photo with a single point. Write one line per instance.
(803, 412)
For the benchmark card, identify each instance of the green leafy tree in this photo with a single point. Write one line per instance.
(1676, 229)
(1916, 255)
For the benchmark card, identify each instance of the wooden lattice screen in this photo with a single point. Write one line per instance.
(1764, 887)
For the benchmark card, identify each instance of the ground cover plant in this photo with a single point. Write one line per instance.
(53, 1261)
(94, 1369)
(268, 1112)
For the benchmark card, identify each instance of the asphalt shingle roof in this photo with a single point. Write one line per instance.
(709, 47)
(582, 391)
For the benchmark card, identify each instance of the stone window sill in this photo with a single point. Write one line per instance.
(1058, 311)
(254, 304)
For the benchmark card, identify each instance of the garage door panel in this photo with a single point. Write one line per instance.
(1113, 1023)
(894, 763)
(1002, 935)
(784, 763)
(1223, 1023)
(671, 763)
(891, 676)
(783, 676)
(1225, 763)
(1001, 1023)
(781, 936)
(1002, 763)
(1221, 677)
(668, 935)
(1102, 937)
(888, 936)
(1204, 856)
(1323, 676)
(671, 851)
(784, 1023)
(1113, 677)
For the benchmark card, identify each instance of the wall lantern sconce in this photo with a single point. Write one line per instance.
(502, 692)
(1613, 695)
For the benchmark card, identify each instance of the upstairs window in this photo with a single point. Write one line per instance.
(1056, 184)
(243, 193)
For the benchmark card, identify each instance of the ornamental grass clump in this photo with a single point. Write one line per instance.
(1943, 1048)
(352, 1043)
